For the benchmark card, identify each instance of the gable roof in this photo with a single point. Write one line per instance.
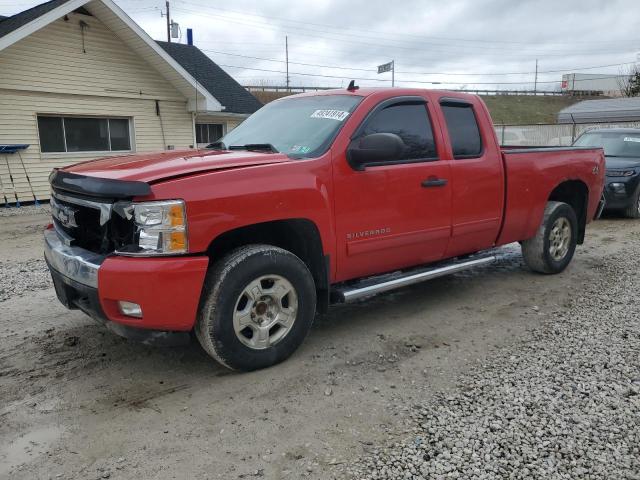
(230, 93)
(9, 24)
(22, 24)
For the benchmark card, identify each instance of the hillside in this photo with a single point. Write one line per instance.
(528, 109)
(505, 109)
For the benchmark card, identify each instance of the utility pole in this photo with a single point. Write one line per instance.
(286, 53)
(535, 80)
(393, 73)
(168, 15)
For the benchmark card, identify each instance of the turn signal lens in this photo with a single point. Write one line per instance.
(177, 242)
(176, 216)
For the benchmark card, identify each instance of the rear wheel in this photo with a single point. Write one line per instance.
(633, 211)
(258, 305)
(554, 244)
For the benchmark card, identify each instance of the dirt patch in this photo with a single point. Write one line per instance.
(127, 410)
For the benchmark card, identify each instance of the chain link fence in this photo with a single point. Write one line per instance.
(551, 135)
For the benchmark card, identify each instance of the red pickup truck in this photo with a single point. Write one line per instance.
(315, 199)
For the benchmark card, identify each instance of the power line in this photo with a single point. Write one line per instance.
(371, 70)
(505, 42)
(403, 81)
(324, 34)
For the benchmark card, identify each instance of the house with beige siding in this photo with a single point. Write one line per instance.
(80, 80)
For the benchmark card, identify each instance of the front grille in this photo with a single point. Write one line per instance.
(88, 223)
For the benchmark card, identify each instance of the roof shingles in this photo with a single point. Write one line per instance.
(233, 96)
(9, 24)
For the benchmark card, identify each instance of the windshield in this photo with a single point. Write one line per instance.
(301, 127)
(615, 144)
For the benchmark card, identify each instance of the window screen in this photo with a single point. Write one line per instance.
(51, 134)
(119, 131)
(463, 130)
(411, 123)
(208, 132)
(83, 134)
(86, 134)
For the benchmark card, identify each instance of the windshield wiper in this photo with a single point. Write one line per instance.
(255, 147)
(216, 146)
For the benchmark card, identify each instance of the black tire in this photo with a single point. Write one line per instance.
(537, 252)
(633, 210)
(225, 283)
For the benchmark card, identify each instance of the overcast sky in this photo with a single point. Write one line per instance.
(458, 43)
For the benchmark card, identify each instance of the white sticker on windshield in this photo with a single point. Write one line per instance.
(632, 139)
(339, 115)
(300, 149)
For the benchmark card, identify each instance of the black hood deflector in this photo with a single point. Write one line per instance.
(97, 187)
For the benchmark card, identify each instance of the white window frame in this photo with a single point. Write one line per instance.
(86, 153)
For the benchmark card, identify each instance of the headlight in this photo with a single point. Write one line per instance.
(620, 173)
(161, 228)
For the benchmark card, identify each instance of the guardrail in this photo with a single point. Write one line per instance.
(544, 93)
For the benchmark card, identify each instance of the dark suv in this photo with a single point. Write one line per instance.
(622, 155)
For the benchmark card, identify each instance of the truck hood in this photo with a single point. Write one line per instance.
(618, 163)
(158, 166)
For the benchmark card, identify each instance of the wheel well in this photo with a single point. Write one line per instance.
(299, 236)
(576, 194)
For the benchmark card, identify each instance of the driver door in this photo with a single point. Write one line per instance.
(393, 214)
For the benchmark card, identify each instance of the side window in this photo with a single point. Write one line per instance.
(463, 130)
(411, 123)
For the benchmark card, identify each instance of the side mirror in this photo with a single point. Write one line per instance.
(375, 148)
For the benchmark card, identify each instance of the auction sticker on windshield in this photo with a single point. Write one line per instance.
(339, 115)
(300, 149)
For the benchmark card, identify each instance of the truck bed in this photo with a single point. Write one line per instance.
(525, 199)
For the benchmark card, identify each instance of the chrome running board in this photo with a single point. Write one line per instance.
(384, 283)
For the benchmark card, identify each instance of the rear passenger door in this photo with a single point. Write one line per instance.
(477, 176)
(396, 213)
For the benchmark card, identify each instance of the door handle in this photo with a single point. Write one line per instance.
(434, 182)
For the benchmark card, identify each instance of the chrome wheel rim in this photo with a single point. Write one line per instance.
(560, 239)
(265, 311)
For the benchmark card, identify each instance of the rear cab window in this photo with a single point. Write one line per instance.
(462, 124)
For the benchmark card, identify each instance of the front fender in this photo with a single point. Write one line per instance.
(220, 201)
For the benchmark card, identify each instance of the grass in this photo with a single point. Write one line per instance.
(505, 109)
(528, 109)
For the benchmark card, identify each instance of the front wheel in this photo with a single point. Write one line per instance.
(554, 244)
(633, 210)
(258, 305)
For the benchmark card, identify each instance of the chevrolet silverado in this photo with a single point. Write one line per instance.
(315, 199)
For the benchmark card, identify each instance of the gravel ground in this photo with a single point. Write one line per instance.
(21, 278)
(24, 210)
(523, 368)
(564, 403)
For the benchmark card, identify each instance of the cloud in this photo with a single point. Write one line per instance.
(453, 43)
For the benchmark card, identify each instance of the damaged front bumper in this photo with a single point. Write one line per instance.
(75, 273)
